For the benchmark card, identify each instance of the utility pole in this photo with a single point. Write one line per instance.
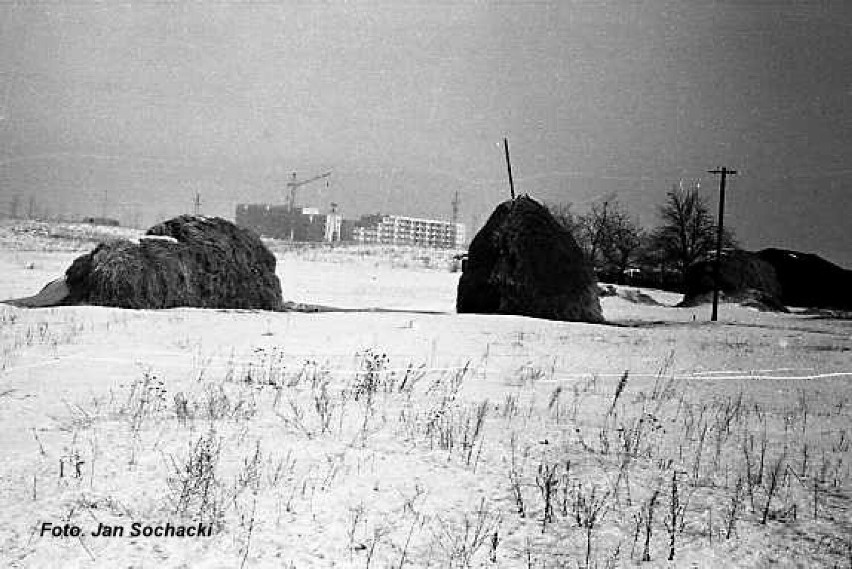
(509, 166)
(455, 231)
(455, 204)
(717, 269)
(4, 122)
(197, 203)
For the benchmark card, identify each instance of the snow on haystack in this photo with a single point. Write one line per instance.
(524, 262)
(191, 261)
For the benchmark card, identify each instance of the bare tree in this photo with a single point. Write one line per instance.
(607, 234)
(622, 239)
(594, 228)
(688, 232)
(563, 213)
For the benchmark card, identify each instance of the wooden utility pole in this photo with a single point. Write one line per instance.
(454, 229)
(197, 203)
(717, 269)
(455, 204)
(509, 166)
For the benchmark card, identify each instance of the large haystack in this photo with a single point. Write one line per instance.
(809, 280)
(524, 262)
(204, 262)
(743, 277)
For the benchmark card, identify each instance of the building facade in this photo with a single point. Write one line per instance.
(400, 230)
(302, 224)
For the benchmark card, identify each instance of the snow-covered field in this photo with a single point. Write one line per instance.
(416, 437)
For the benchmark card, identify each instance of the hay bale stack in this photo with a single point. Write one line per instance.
(743, 277)
(524, 262)
(196, 261)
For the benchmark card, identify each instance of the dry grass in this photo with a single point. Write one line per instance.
(371, 458)
(659, 477)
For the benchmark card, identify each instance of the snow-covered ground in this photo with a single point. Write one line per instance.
(416, 436)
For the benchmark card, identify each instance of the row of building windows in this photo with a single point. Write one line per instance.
(398, 230)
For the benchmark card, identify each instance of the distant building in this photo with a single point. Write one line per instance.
(308, 224)
(277, 221)
(400, 230)
(333, 228)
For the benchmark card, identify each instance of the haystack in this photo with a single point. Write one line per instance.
(524, 262)
(809, 280)
(195, 261)
(743, 277)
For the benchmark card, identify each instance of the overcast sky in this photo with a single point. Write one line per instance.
(129, 108)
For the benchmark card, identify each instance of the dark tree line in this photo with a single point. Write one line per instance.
(621, 250)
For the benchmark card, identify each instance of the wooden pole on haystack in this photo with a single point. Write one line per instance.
(509, 166)
(717, 268)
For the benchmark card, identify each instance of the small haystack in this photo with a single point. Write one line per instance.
(524, 262)
(743, 277)
(204, 262)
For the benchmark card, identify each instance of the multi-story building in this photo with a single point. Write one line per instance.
(400, 230)
(302, 224)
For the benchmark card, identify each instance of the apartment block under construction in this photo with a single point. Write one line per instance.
(299, 224)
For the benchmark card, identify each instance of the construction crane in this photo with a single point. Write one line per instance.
(294, 184)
